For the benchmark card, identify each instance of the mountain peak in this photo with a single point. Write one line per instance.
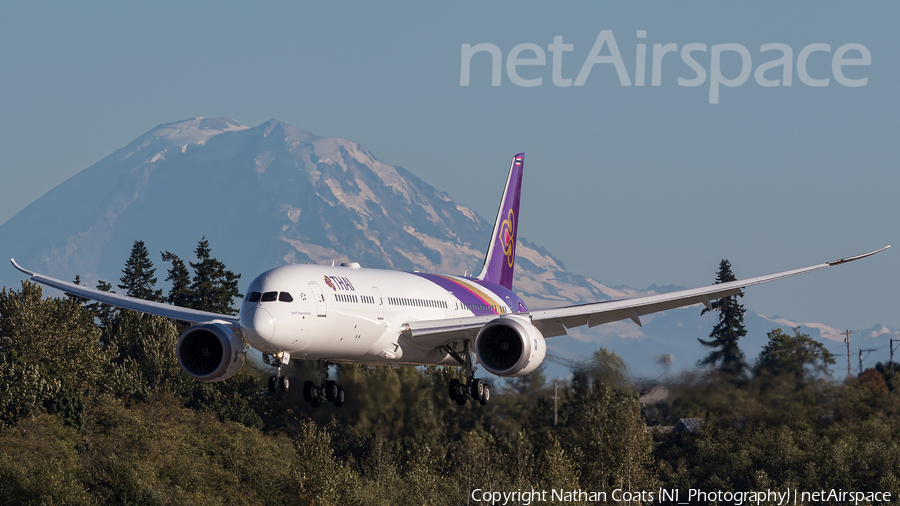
(180, 134)
(194, 130)
(291, 133)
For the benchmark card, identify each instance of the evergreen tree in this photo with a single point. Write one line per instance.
(137, 276)
(104, 313)
(213, 286)
(180, 293)
(726, 355)
(74, 298)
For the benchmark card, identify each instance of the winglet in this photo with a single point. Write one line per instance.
(17, 266)
(857, 257)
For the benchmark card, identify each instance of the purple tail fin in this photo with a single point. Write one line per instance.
(501, 254)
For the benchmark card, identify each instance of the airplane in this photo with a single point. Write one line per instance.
(350, 314)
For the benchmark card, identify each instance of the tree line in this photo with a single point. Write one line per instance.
(95, 410)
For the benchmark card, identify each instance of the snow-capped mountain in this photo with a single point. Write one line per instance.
(276, 194)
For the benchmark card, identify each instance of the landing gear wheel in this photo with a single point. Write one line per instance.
(273, 383)
(477, 389)
(486, 396)
(461, 399)
(331, 390)
(339, 398)
(308, 391)
(284, 384)
(316, 402)
(454, 389)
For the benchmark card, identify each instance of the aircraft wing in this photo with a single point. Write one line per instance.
(554, 322)
(123, 301)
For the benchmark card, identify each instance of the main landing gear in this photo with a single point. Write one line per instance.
(278, 382)
(327, 391)
(473, 388)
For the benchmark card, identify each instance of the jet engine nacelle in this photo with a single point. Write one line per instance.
(510, 346)
(211, 351)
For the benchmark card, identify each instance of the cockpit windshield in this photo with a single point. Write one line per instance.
(269, 297)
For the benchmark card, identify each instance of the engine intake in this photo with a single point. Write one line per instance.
(211, 351)
(510, 346)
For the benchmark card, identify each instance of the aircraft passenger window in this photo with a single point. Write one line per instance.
(269, 297)
(254, 296)
(285, 297)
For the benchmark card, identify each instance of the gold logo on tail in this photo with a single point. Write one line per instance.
(507, 232)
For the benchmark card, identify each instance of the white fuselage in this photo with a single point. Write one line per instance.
(354, 314)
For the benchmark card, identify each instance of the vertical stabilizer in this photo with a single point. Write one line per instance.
(501, 254)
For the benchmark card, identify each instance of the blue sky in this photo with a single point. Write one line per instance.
(630, 185)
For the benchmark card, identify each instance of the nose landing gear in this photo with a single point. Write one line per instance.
(327, 391)
(278, 382)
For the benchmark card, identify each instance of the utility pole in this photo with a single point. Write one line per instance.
(892, 360)
(847, 342)
(861, 358)
(555, 396)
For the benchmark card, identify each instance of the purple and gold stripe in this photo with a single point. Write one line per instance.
(476, 294)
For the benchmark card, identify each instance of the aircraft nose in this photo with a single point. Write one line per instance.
(258, 322)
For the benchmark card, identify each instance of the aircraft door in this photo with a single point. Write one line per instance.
(321, 307)
(379, 302)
